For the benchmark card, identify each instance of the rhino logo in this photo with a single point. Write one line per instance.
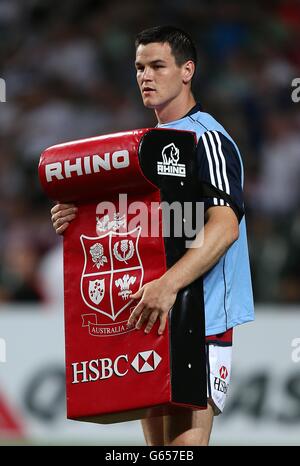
(170, 166)
(170, 154)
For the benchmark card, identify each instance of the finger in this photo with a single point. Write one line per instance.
(163, 321)
(60, 220)
(60, 230)
(59, 207)
(62, 223)
(63, 213)
(135, 314)
(151, 321)
(143, 317)
(132, 319)
(137, 294)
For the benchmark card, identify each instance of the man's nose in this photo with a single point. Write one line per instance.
(147, 75)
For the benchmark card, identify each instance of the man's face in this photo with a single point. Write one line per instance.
(159, 78)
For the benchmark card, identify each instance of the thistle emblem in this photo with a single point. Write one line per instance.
(127, 250)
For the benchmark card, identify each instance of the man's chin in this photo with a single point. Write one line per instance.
(148, 104)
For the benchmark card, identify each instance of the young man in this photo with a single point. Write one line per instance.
(165, 65)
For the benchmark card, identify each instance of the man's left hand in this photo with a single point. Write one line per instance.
(156, 298)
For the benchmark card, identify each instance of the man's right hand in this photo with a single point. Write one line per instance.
(62, 215)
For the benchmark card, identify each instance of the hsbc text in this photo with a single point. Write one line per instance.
(98, 369)
(220, 385)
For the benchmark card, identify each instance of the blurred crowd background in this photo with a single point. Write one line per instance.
(69, 72)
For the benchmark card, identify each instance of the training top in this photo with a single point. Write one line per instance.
(227, 287)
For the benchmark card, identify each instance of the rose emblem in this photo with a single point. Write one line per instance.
(98, 257)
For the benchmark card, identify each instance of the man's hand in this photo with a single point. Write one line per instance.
(156, 299)
(61, 216)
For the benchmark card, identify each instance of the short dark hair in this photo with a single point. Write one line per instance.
(182, 46)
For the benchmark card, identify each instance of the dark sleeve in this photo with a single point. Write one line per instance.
(220, 172)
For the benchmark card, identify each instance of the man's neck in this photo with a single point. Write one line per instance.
(176, 109)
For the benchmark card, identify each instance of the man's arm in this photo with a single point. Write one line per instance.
(221, 230)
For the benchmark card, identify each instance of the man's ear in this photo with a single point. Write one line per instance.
(188, 70)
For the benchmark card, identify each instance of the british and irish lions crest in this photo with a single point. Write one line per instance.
(112, 272)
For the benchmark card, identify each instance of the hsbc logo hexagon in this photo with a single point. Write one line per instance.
(146, 361)
(223, 372)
